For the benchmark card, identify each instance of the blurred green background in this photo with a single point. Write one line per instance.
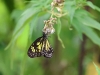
(21, 22)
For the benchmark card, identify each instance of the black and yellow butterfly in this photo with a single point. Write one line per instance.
(40, 47)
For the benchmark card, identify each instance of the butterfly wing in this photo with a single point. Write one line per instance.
(40, 47)
(47, 50)
(36, 47)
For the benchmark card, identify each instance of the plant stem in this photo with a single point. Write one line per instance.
(82, 55)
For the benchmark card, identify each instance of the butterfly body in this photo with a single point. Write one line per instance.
(40, 47)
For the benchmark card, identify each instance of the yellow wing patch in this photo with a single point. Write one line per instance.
(32, 48)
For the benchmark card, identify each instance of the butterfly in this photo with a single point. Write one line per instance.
(40, 47)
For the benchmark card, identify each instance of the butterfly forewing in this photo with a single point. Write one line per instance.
(36, 47)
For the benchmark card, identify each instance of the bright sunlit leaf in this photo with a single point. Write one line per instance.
(97, 68)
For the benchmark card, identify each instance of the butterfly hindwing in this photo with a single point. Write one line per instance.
(48, 50)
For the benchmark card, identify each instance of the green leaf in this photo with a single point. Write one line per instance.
(29, 13)
(87, 31)
(58, 32)
(82, 24)
(97, 68)
(22, 40)
(88, 21)
(13, 40)
(78, 28)
(93, 6)
(33, 25)
(25, 18)
(70, 9)
(81, 12)
(15, 14)
(91, 34)
(85, 18)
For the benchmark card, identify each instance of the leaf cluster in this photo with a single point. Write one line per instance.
(77, 17)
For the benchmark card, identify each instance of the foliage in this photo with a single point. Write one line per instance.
(79, 18)
(28, 25)
(98, 70)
